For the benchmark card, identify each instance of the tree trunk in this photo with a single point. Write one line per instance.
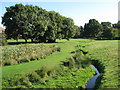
(51, 41)
(17, 40)
(26, 40)
(32, 40)
(42, 39)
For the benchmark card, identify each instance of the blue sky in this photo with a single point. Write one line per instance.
(80, 11)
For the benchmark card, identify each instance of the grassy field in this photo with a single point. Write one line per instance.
(105, 51)
(51, 61)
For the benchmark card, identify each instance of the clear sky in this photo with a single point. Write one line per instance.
(79, 10)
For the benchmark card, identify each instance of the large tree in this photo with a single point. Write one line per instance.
(78, 31)
(107, 32)
(68, 29)
(12, 21)
(92, 29)
(37, 24)
(116, 30)
(53, 27)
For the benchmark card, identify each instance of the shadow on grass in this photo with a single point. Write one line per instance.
(108, 39)
(17, 43)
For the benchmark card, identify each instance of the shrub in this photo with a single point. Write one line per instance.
(79, 59)
(3, 40)
(34, 77)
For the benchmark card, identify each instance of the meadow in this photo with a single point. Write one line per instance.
(101, 53)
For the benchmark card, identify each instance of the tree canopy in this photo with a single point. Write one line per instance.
(92, 29)
(40, 25)
(104, 30)
(37, 24)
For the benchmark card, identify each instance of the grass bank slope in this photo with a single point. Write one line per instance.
(106, 52)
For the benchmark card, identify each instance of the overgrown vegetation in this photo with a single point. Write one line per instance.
(3, 40)
(59, 78)
(104, 55)
(70, 75)
(25, 53)
(79, 59)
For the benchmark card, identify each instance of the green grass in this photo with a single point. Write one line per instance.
(105, 51)
(50, 62)
(70, 78)
(20, 40)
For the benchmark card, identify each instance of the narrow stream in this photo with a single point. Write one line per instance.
(91, 83)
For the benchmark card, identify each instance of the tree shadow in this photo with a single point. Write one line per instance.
(108, 39)
(17, 43)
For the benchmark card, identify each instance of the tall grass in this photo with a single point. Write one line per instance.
(73, 73)
(26, 53)
(79, 60)
(59, 77)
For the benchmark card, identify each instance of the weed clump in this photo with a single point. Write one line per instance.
(79, 60)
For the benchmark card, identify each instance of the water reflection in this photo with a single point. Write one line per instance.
(91, 83)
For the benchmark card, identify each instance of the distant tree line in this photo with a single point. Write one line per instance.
(39, 25)
(95, 30)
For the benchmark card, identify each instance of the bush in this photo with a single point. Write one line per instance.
(26, 53)
(3, 40)
(79, 59)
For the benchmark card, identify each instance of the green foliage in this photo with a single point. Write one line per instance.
(37, 24)
(56, 77)
(103, 53)
(116, 30)
(25, 53)
(34, 77)
(92, 29)
(79, 59)
(63, 78)
(74, 78)
(3, 40)
(105, 30)
(51, 61)
(78, 31)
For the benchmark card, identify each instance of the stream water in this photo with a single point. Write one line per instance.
(91, 83)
